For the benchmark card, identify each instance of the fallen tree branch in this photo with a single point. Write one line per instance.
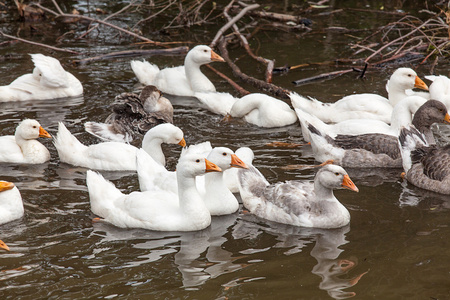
(322, 76)
(38, 44)
(259, 84)
(268, 63)
(231, 22)
(237, 87)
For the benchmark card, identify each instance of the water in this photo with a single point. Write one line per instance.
(394, 248)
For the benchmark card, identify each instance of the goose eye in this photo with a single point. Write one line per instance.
(409, 75)
(205, 50)
(224, 154)
(197, 160)
(337, 173)
(34, 126)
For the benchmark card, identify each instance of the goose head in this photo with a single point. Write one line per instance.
(225, 158)
(201, 55)
(404, 79)
(6, 186)
(165, 133)
(431, 112)
(3, 246)
(30, 129)
(246, 154)
(335, 177)
(191, 165)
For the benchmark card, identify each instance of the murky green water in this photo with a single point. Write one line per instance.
(396, 246)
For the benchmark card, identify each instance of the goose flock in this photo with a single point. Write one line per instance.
(358, 131)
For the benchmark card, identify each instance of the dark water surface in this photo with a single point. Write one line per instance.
(396, 246)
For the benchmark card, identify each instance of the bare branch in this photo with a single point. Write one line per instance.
(230, 23)
(38, 44)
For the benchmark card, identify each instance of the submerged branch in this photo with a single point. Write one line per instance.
(133, 53)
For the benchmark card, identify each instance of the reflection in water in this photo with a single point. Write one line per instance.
(413, 196)
(189, 248)
(47, 112)
(326, 251)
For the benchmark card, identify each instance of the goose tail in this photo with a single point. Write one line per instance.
(106, 132)
(67, 145)
(102, 193)
(144, 71)
(411, 141)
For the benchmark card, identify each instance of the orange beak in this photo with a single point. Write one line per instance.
(43, 133)
(182, 143)
(3, 246)
(347, 183)
(236, 162)
(5, 185)
(447, 118)
(216, 57)
(211, 167)
(418, 83)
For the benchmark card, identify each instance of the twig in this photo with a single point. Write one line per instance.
(61, 14)
(237, 87)
(268, 63)
(38, 44)
(230, 23)
(107, 18)
(322, 76)
(155, 14)
(392, 42)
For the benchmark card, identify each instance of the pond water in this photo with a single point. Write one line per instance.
(394, 248)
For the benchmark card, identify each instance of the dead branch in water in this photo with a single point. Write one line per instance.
(259, 84)
(268, 63)
(236, 86)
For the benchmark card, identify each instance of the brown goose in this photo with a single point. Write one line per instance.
(133, 115)
(374, 150)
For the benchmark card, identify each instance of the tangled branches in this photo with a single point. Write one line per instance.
(408, 39)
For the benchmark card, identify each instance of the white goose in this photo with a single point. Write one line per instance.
(307, 204)
(401, 116)
(363, 106)
(48, 81)
(115, 156)
(155, 210)
(182, 80)
(23, 147)
(133, 115)
(11, 205)
(263, 110)
(230, 176)
(258, 109)
(440, 89)
(218, 198)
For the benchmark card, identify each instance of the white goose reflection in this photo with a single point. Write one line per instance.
(189, 247)
(329, 267)
(326, 250)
